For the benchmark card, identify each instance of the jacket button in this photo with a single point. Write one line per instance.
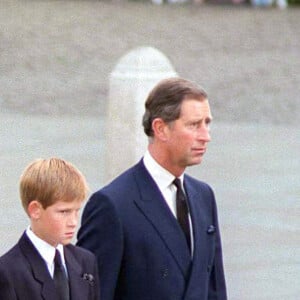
(164, 273)
(208, 268)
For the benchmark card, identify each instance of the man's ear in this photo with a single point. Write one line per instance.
(160, 129)
(34, 209)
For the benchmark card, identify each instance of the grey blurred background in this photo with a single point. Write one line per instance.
(55, 62)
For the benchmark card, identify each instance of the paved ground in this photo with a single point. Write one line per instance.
(56, 56)
(254, 170)
(55, 60)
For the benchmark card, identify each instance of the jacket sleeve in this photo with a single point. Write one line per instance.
(101, 233)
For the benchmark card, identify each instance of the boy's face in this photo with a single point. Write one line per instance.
(57, 223)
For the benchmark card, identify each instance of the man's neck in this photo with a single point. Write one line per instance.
(164, 161)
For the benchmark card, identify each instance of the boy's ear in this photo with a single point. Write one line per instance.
(34, 209)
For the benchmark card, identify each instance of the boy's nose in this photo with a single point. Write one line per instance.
(73, 220)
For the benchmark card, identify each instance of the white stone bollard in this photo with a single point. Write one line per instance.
(134, 76)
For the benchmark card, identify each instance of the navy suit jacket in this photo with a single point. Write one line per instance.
(24, 274)
(141, 250)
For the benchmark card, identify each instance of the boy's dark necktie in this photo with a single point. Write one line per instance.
(182, 211)
(60, 278)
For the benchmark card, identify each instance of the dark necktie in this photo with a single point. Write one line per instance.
(182, 211)
(60, 278)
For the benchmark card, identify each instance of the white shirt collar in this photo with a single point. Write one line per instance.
(161, 176)
(46, 250)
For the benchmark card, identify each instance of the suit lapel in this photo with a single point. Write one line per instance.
(155, 209)
(199, 215)
(79, 288)
(38, 267)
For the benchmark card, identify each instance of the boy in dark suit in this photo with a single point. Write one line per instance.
(43, 264)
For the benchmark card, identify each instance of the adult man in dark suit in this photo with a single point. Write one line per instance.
(156, 238)
(43, 265)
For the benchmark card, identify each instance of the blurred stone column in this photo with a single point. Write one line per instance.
(134, 76)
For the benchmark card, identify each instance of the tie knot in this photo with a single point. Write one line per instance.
(177, 183)
(57, 258)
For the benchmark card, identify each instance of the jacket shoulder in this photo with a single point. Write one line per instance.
(81, 253)
(125, 183)
(12, 256)
(197, 183)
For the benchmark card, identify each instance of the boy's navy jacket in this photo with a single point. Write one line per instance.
(24, 274)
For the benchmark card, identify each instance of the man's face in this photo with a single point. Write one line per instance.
(57, 223)
(189, 135)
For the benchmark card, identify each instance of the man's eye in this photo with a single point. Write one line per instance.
(194, 125)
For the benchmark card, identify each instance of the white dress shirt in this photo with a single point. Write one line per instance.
(164, 180)
(46, 251)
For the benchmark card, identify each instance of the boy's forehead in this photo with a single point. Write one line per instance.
(67, 203)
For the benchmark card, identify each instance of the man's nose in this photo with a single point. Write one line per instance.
(204, 134)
